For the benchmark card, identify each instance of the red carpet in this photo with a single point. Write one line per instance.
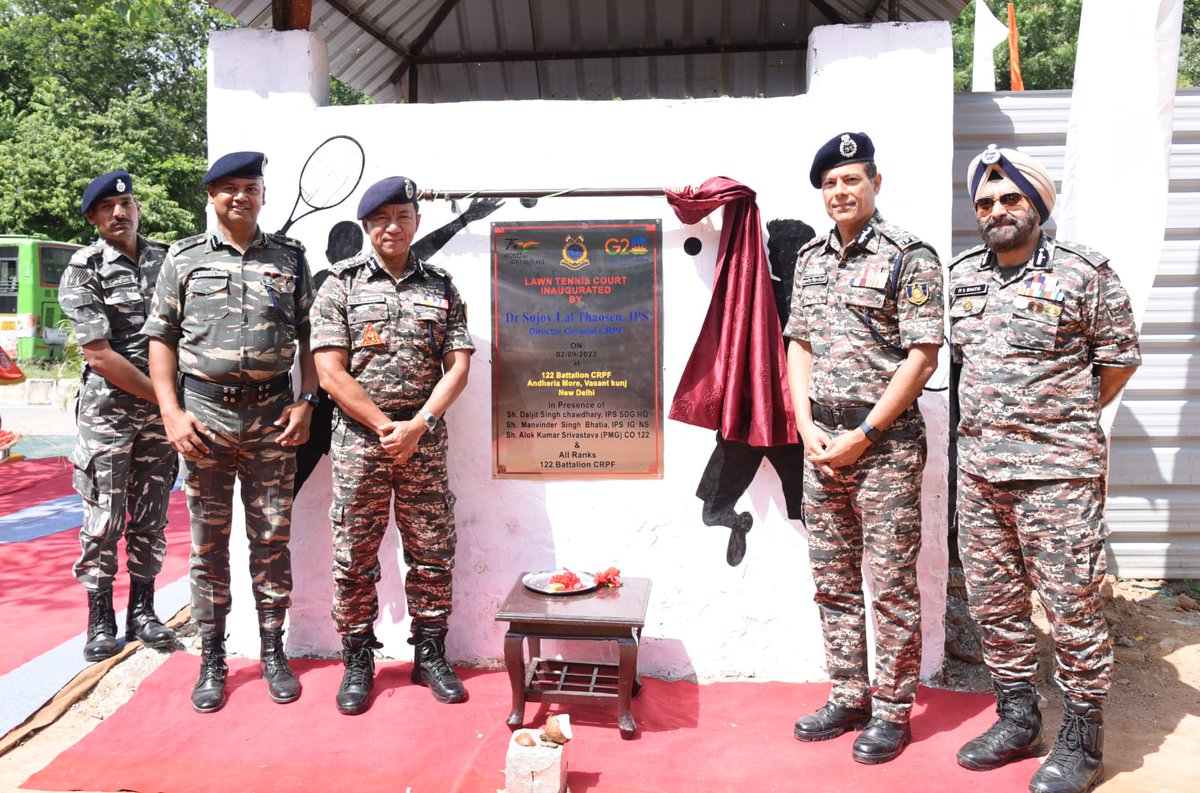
(43, 604)
(28, 482)
(719, 738)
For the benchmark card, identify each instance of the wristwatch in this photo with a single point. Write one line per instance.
(871, 433)
(310, 398)
(429, 419)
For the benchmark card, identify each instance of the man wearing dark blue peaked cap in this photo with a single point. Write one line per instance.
(106, 186)
(392, 190)
(841, 150)
(240, 164)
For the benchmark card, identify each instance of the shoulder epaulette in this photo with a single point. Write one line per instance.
(179, 246)
(154, 243)
(815, 242)
(1092, 257)
(290, 242)
(345, 265)
(434, 270)
(83, 256)
(968, 253)
(902, 239)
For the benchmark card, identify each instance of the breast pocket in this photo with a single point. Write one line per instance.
(966, 320)
(207, 297)
(368, 323)
(126, 306)
(1034, 324)
(865, 297)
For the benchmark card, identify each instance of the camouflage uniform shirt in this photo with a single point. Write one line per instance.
(1028, 344)
(397, 332)
(235, 318)
(107, 296)
(861, 306)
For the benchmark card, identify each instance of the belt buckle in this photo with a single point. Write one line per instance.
(229, 394)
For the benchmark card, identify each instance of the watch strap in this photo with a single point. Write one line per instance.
(871, 433)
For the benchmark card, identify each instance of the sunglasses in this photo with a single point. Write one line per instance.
(1008, 201)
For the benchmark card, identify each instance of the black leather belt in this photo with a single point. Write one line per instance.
(850, 416)
(400, 415)
(241, 394)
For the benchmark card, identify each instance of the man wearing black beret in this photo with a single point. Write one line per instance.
(123, 462)
(230, 315)
(392, 348)
(865, 327)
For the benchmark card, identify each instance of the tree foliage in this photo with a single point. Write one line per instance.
(1048, 31)
(91, 87)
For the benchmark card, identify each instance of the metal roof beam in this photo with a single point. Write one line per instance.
(367, 27)
(419, 43)
(632, 52)
(830, 14)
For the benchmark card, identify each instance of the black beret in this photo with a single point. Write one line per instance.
(110, 184)
(392, 190)
(240, 164)
(841, 150)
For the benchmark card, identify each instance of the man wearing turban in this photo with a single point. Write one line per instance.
(1044, 336)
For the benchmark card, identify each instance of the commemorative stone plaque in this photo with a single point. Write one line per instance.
(576, 350)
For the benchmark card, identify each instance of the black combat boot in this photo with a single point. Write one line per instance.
(359, 677)
(102, 627)
(881, 741)
(430, 667)
(209, 693)
(282, 684)
(1076, 763)
(1017, 732)
(830, 721)
(140, 620)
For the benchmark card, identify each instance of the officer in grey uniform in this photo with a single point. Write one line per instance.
(230, 315)
(1043, 336)
(123, 462)
(865, 327)
(392, 348)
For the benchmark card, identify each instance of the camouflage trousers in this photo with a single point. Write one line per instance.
(365, 478)
(243, 445)
(1049, 534)
(123, 464)
(871, 509)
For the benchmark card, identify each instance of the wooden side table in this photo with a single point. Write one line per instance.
(606, 614)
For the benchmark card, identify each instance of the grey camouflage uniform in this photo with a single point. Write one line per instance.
(397, 333)
(860, 322)
(123, 462)
(1032, 456)
(236, 320)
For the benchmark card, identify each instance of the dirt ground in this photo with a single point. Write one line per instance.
(1152, 717)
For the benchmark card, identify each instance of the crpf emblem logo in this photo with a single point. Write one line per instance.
(847, 147)
(574, 253)
(120, 185)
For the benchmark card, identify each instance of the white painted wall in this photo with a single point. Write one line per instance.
(706, 618)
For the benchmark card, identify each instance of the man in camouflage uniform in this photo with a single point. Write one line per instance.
(1045, 336)
(392, 348)
(865, 327)
(230, 312)
(123, 462)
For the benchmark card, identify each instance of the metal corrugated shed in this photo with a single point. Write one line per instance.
(1154, 501)
(463, 50)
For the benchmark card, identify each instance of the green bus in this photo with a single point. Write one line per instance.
(30, 319)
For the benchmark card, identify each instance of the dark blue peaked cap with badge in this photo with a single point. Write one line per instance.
(392, 190)
(239, 164)
(106, 186)
(841, 150)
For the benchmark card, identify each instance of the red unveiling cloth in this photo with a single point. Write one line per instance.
(736, 378)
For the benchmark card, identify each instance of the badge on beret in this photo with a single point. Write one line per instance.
(370, 337)
(991, 155)
(847, 148)
(120, 185)
(408, 189)
(917, 294)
